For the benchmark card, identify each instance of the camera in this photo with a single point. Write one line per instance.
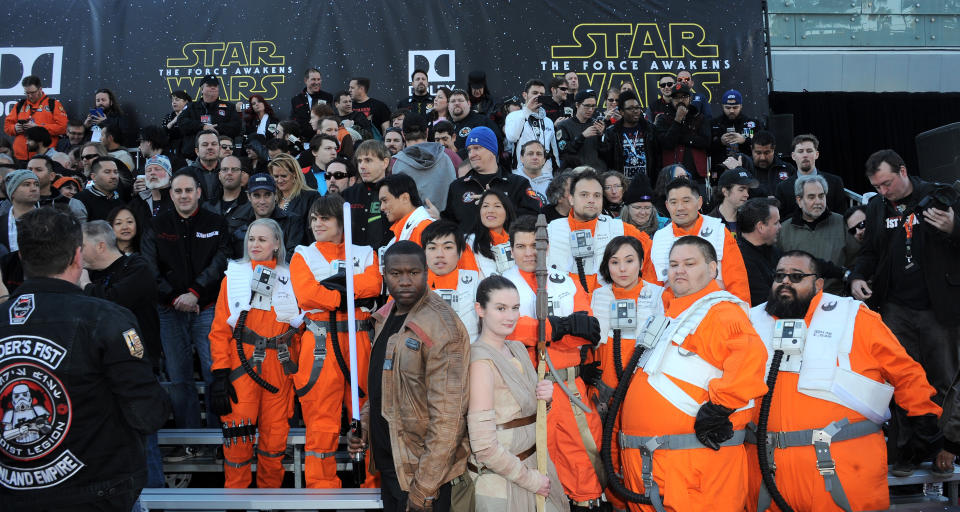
(942, 197)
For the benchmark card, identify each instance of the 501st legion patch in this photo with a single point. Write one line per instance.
(36, 415)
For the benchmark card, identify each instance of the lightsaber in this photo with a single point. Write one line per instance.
(351, 313)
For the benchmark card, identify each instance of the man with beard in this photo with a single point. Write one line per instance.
(311, 95)
(838, 381)
(154, 199)
(769, 168)
(627, 144)
(341, 174)
(683, 133)
(806, 151)
(577, 242)
(262, 204)
(817, 230)
(731, 131)
(464, 120)
(102, 197)
(420, 101)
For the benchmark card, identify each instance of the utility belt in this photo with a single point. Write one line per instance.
(260, 344)
(820, 440)
(649, 444)
(320, 329)
(524, 455)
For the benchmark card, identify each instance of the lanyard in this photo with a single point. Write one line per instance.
(908, 228)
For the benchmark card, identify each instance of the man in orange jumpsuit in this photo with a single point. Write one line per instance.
(320, 382)
(400, 203)
(684, 413)
(578, 241)
(573, 435)
(457, 286)
(683, 203)
(37, 109)
(270, 345)
(867, 367)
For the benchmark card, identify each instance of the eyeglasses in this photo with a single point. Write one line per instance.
(617, 186)
(89, 157)
(667, 84)
(31, 93)
(335, 176)
(795, 277)
(684, 79)
(860, 225)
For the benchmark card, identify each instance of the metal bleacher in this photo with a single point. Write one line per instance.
(261, 499)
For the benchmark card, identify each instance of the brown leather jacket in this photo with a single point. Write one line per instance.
(425, 396)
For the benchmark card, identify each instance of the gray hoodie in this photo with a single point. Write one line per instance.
(430, 167)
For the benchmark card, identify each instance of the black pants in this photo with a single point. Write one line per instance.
(931, 344)
(395, 498)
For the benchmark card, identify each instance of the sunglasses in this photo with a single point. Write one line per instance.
(336, 175)
(860, 225)
(667, 84)
(226, 146)
(89, 157)
(795, 277)
(564, 89)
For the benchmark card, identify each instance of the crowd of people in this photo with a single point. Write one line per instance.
(711, 326)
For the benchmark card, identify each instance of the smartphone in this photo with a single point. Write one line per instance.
(96, 112)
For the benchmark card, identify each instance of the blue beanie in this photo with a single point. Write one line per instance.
(484, 137)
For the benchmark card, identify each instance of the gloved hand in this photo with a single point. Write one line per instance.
(712, 425)
(591, 373)
(222, 392)
(337, 283)
(579, 324)
(926, 441)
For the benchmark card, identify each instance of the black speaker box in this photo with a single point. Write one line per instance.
(938, 154)
(781, 125)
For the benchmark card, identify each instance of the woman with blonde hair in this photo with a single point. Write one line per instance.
(294, 196)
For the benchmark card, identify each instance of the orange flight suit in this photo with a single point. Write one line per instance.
(861, 462)
(604, 354)
(733, 272)
(322, 404)
(564, 442)
(398, 226)
(698, 479)
(628, 230)
(55, 121)
(269, 411)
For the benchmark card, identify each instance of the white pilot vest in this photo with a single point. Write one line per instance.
(560, 293)
(418, 215)
(462, 300)
(712, 230)
(560, 255)
(825, 371)
(633, 313)
(284, 302)
(322, 269)
(668, 358)
(493, 267)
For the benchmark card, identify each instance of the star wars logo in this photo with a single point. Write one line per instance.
(244, 68)
(605, 55)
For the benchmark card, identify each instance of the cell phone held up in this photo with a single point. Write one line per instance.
(96, 112)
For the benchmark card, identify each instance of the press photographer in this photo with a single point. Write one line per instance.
(907, 270)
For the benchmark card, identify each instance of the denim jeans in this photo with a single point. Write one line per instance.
(180, 334)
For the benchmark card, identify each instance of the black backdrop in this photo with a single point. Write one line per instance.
(137, 49)
(851, 126)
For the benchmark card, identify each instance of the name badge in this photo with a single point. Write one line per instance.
(205, 119)
(412, 344)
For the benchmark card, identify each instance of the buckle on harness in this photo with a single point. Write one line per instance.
(821, 436)
(259, 349)
(827, 468)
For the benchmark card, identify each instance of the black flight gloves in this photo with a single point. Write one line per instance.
(222, 392)
(578, 324)
(713, 425)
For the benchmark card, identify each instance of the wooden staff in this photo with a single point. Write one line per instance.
(542, 311)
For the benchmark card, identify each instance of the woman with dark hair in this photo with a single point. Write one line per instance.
(439, 111)
(501, 416)
(614, 185)
(107, 113)
(124, 224)
(259, 118)
(622, 307)
(490, 239)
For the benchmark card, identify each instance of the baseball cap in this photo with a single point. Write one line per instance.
(261, 181)
(732, 97)
(737, 176)
(210, 80)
